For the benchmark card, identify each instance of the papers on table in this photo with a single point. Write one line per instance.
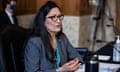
(103, 67)
(104, 57)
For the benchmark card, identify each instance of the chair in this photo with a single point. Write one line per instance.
(13, 39)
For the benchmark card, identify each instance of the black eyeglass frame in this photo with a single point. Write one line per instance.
(56, 17)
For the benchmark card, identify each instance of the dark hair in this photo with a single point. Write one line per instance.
(40, 29)
(5, 2)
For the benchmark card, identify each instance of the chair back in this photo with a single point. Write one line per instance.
(13, 39)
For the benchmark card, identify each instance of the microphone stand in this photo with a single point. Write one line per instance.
(100, 17)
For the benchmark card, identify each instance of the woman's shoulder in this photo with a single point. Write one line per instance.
(62, 36)
(35, 39)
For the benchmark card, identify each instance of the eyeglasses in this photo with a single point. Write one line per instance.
(55, 17)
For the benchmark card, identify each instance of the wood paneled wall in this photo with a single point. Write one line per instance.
(74, 8)
(117, 21)
(85, 8)
(69, 7)
(26, 6)
(0, 5)
(39, 3)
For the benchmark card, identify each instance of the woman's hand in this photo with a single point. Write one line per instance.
(70, 66)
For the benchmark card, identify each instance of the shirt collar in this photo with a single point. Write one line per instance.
(8, 13)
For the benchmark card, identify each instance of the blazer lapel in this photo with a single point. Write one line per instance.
(7, 18)
(62, 51)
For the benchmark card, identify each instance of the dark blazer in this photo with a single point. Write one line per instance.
(36, 60)
(2, 61)
(4, 20)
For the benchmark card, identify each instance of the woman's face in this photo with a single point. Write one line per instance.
(53, 21)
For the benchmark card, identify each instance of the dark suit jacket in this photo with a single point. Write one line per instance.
(2, 62)
(36, 60)
(4, 20)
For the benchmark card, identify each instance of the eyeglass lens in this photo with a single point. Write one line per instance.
(55, 17)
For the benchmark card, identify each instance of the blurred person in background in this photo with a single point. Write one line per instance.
(7, 16)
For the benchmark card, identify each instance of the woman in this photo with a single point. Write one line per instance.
(50, 50)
